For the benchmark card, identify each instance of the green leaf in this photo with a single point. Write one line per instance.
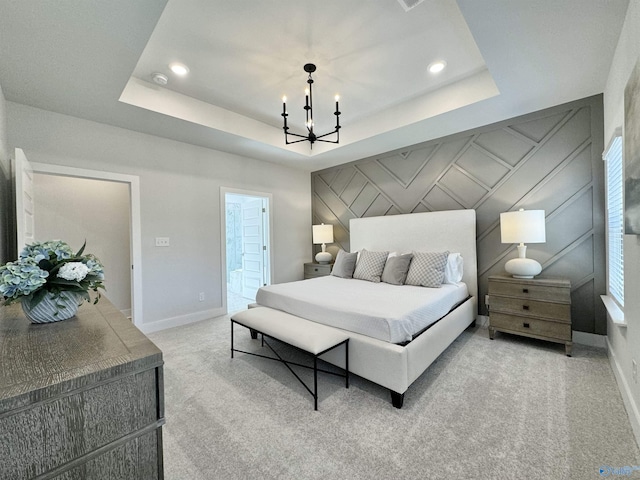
(64, 281)
(82, 249)
(45, 264)
(36, 298)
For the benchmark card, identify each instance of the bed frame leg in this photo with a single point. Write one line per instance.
(473, 324)
(397, 399)
(253, 333)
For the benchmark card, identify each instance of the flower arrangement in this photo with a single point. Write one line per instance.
(50, 268)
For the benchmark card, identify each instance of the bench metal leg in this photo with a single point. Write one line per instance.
(315, 383)
(231, 338)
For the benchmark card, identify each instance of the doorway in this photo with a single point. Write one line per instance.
(135, 240)
(98, 217)
(247, 246)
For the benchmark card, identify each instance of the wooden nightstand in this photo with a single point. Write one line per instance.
(313, 270)
(537, 307)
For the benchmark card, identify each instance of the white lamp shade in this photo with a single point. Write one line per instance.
(322, 234)
(523, 226)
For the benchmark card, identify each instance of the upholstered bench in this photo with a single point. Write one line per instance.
(301, 334)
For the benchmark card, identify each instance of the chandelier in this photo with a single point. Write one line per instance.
(311, 137)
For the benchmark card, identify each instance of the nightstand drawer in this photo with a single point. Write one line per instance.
(523, 306)
(537, 292)
(531, 326)
(312, 270)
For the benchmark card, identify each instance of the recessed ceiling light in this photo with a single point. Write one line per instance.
(179, 69)
(437, 67)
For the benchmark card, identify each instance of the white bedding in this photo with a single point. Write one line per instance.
(392, 313)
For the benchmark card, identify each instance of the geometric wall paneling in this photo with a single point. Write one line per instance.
(547, 160)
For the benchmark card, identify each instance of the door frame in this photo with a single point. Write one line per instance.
(135, 225)
(223, 234)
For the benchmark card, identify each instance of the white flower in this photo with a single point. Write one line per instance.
(73, 271)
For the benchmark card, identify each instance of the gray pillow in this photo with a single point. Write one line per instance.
(370, 265)
(427, 269)
(396, 268)
(345, 264)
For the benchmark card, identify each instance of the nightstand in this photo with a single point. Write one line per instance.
(537, 307)
(313, 270)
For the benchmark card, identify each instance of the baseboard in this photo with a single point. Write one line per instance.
(126, 312)
(632, 408)
(590, 339)
(181, 320)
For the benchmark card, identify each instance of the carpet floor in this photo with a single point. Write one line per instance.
(511, 408)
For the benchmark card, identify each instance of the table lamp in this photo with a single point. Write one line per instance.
(523, 226)
(323, 234)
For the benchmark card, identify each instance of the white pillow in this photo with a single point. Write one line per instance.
(453, 269)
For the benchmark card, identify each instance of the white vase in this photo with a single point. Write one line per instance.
(53, 307)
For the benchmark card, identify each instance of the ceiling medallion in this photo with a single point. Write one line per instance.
(311, 137)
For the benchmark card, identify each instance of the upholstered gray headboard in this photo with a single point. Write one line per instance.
(453, 230)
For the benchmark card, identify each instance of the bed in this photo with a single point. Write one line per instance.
(392, 352)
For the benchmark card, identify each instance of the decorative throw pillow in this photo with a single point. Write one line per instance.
(370, 265)
(344, 265)
(396, 268)
(454, 269)
(427, 269)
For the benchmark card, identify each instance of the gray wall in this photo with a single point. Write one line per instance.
(5, 178)
(624, 342)
(547, 160)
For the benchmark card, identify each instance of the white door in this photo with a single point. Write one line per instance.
(253, 247)
(23, 185)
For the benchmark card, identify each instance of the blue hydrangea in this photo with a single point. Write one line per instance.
(22, 278)
(95, 267)
(54, 250)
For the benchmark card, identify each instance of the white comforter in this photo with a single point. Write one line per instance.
(392, 313)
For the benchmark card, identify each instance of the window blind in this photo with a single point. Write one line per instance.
(615, 219)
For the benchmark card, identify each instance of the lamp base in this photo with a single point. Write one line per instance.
(324, 257)
(523, 267)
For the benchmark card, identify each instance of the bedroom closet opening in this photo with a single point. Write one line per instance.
(248, 265)
(97, 212)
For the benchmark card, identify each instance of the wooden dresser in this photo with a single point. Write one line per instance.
(539, 308)
(79, 399)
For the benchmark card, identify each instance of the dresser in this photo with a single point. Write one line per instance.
(313, 270)
(539, 308)
(79, 399)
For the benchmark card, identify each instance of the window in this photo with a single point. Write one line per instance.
(614, 173)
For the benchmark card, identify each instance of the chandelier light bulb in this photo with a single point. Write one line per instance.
(337, 98)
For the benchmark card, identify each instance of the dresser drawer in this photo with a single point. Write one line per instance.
(316, 270)
(531, 326)
(536, 292)
(535, 308)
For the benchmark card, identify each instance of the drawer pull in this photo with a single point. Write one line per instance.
(525, 307)
(525, 290)
(525, 325)
(315, 269)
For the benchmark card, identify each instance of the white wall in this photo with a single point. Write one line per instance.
(180, 199)
(79, 209)
(624, 343)
(5, 178)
